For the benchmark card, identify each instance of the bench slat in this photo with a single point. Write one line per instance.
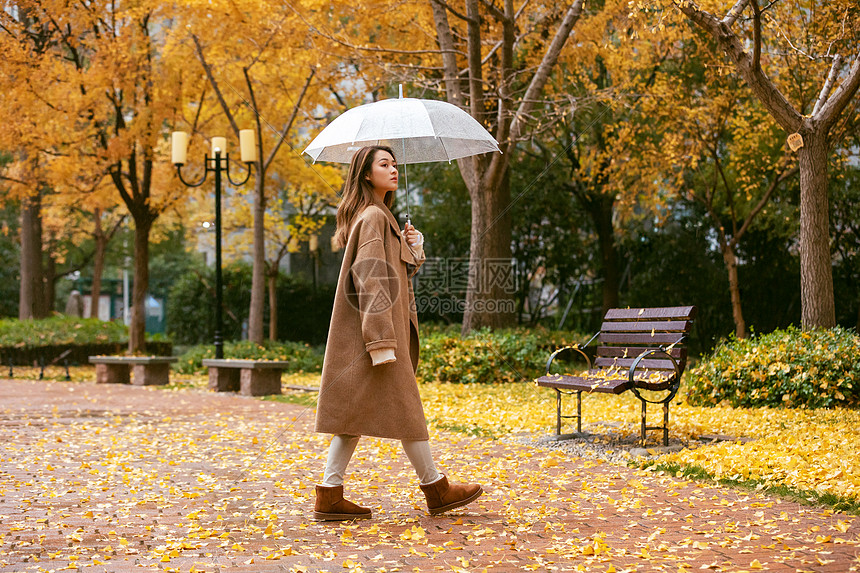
(679, 326)
(677, 352)
(601, 384)
(626, 363)
(666, 312)
(630, 339)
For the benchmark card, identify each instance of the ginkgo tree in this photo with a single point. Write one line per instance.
(100, 92)
(801, 60)
(260, 75)
(736, 164)
(299, 203)
(23, 171)
(492, 59)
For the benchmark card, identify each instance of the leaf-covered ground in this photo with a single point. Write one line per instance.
(813, 451)
(814, 454)
(118, 478)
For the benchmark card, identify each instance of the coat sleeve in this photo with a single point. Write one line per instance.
(375, 289)
(420, 257)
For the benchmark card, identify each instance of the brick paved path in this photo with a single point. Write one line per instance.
(115, 478)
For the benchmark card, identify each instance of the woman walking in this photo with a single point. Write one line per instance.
(368, 383)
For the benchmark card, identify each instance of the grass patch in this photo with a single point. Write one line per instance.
(467, 429)
(804, 496)
(308, 399)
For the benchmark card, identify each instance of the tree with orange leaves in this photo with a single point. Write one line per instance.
(94, 91)
(780, 50)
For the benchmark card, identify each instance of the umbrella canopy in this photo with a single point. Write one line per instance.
(418, 130)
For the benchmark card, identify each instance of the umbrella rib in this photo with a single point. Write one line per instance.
(445, 149)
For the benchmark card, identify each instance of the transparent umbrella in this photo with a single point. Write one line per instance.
(419, 130)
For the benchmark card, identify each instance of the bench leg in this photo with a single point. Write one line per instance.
(665, 423)
(559, 416)
(579, 412)
(112, 374)
(255, 382)
(223, 379)
(150, 374)
(664, 427)
(557, 412)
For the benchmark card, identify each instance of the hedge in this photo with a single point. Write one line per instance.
(34, 342)
(787, 368)
(486, 356)
(302, 357)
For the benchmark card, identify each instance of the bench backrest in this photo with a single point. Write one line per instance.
(627, 332)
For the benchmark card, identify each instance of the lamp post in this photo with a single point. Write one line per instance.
(218, 161)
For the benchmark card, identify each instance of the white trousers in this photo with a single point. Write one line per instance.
(343, 445)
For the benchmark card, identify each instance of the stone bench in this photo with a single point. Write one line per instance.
(248, 377)
(137, 370)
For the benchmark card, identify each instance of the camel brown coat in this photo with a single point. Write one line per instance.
(374, 308)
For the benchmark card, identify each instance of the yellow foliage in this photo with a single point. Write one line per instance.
(804, 449)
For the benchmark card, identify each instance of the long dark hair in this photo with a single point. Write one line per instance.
(357, 191)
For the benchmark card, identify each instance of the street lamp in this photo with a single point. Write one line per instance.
(219, 161)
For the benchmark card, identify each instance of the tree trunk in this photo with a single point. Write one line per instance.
(30, 302)
(137, 329)
(258, 276)
(98, 264)
(818, 309)
(600, 209)
(492, 284)
(735, 289)
(273, 305)
(49, 284)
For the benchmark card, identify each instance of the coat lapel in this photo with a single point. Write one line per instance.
(405, 252)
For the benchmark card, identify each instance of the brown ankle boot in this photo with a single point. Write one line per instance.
(441, 496)
(330, 506)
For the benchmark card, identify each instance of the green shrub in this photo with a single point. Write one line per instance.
(786, 368)
(60, 330)
(301, 357)
(486, 356)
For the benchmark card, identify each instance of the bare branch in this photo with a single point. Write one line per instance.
(505, 85)
(476, 88)
(289, 125)
(828, 84)
(199, 108)
(833, 107)
(773, 186)
(446, 6)
(733, 14)
(267, 42)
(756, 61)
(12, 180)
(372, 49)
(770, 96)
(497, 14)
(208, 69)
(547, 63)
(449, 60)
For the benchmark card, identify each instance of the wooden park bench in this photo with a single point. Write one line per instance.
(138, 370)
(248, 377)
(639, 349)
